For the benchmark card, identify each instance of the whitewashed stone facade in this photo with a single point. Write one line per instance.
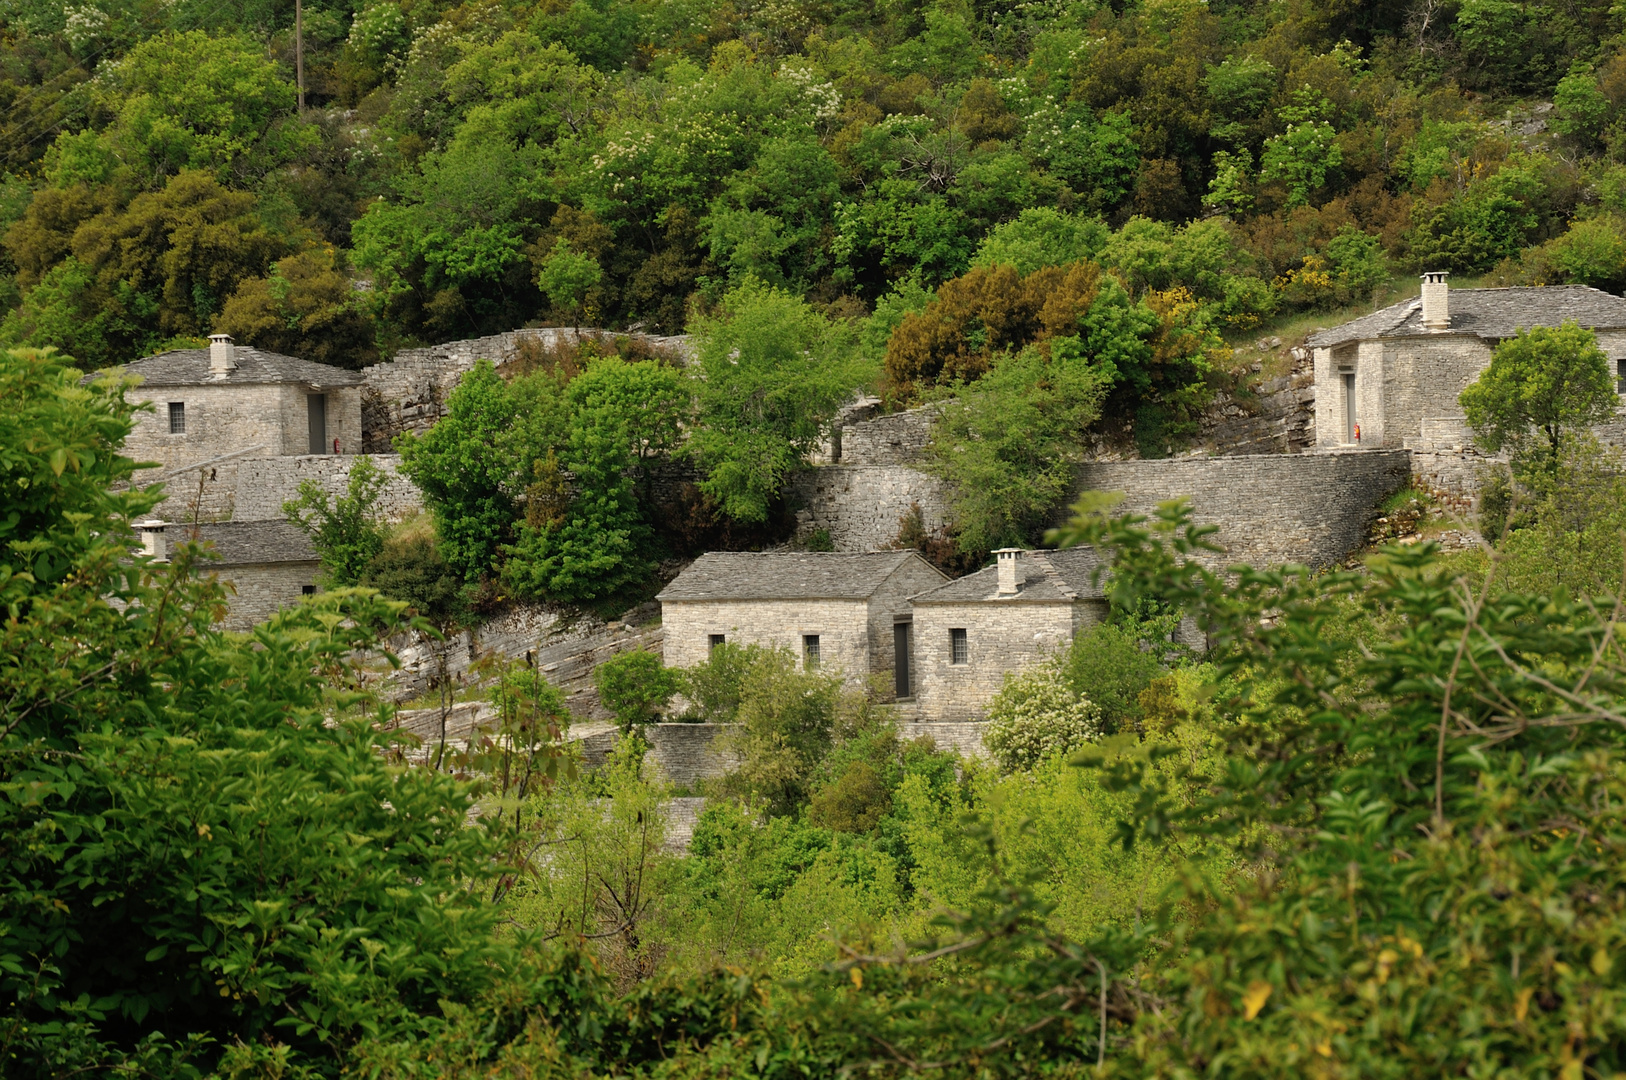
(849, 602)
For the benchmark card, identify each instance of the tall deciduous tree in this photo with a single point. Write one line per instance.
(587, 538)
(1540, 385)
(771, 375)
(469, 487)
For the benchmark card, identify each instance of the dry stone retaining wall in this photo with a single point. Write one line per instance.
(893, 439)
(861, 506)
(1270, 508)
(566, 650)
(264, 483)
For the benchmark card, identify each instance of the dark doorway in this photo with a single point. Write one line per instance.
(900, 659)
(318, 413)
(1349, 407)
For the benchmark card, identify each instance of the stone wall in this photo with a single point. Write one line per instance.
(260, 591)
(964, 739)
(409, 392)
(264, 484)
(1270, 508)
(894, 439)
(861, 505)
(686, 753)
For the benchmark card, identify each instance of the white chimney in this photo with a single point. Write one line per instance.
(221, 360)
(1010, 571)
(153, 544)
(1436, 301)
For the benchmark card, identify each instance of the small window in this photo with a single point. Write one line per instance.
(810, 650)
(177, 418)
(1620, 376)
(718, 639)
(958, 652)
(307, 590)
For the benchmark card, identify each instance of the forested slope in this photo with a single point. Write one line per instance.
(483, 165)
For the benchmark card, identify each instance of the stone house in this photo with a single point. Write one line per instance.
(230, 400)
(969, 633)
(267, 565)
(843, 611)
(1398, 371)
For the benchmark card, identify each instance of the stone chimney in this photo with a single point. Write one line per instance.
(221, 359)
(153, 543)
(1436, 301)
(1010, 571)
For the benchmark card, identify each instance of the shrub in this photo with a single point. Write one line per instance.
(346, 531)
(1036, 715)
(714, 687)
(853, 804)
(1108, 666)
(635, 686)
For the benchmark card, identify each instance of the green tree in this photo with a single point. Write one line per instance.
(467, 487)
(1304, 155)
(588, 539)
(787, 721)
(1541, 385)
(566, 277)
(1038, 714)
(771, 374)
(117, 281)
(348, 531)
(635, 687)
(1008, 442)
(191, 101)
(306, 307)
(220, 853)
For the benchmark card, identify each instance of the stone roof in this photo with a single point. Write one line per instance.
(248, 543)
(786, 575)
(1051, 577)
(190, 367)
(1487, 313)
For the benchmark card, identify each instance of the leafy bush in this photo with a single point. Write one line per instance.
(1109, 667)
(787, 720)
(347, 532)
(635, 687)
(715, 687)
(221, 850)
(855, 803)
(1036, 715)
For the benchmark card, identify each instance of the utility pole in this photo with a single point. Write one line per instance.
(299, 53)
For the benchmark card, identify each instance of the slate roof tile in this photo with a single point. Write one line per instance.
(785, 575)
(1051, 577)
(248, 543)
(1487, 313)
(190, 367)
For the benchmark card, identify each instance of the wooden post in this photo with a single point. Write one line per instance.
(299, 53)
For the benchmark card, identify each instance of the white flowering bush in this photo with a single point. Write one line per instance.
(1036, 715)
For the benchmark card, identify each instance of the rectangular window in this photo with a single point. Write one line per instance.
(718, 639)
(177, 418)
(1620, 377)
(810, 650)
(307, 590)
(958, 652)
